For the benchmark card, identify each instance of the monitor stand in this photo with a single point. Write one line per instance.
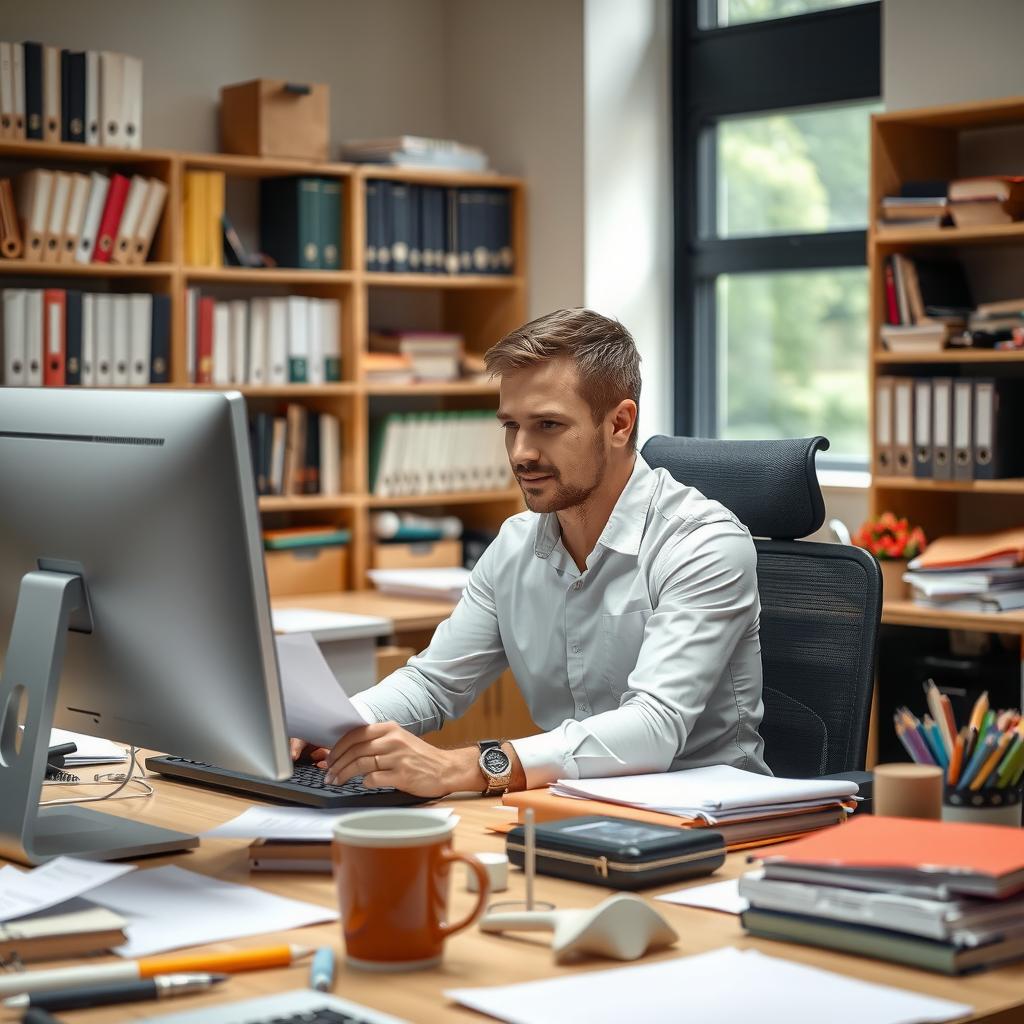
(28, 695)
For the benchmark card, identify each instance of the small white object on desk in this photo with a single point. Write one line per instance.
(723, 896)
(91, 750)
(496, 866)
(58, 880)
(329, 625)
(441, 584)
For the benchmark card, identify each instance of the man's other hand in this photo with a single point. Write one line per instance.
(385, 754)
(303, 751)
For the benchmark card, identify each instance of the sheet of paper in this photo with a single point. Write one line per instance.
(329, 625)
(293, 822)
(727, 986)
(317, 709)
(712, 788)
(723, 896)
(169, 907)
(91, 750)
(25, 892)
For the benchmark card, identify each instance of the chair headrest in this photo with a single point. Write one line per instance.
(770, 486)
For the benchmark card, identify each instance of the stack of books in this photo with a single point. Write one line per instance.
(71, 929)
(296, 453)
(927, 303)
(86, 218)
(92, 97)
(430, 355)
(415, 151)
(746, 808)
(915, 211)
(995, 199)
(945, 897)
(970, 573)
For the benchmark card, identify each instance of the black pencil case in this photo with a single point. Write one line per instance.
(617, 853)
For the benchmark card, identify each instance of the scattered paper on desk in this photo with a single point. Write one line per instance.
(441, 584)
(91, 749)
(317, 709)
(723, 896)
(727, 986)
(169, 907)
(25, 892)
(334, 625)
(295, 822)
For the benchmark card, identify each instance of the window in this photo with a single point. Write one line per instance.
(771, 196)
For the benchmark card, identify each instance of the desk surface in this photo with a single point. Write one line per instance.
(472, 958)
(407, 613)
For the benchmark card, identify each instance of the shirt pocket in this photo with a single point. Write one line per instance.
(621, 638)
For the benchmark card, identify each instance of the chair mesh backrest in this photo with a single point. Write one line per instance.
(820, 607)
(820, 603)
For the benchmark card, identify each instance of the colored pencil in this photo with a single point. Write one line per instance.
(980, 756)
(990, 762)
(956, 759)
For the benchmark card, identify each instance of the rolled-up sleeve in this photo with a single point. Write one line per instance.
(705, 601)
(464, 657)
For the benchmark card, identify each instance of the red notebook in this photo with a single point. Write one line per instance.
(54, 346)
(111, 219)
(204, 342)
(989, 858)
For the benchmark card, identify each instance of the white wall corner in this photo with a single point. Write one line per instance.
(627, 185)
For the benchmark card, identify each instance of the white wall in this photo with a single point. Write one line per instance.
(627, 146)
(513, 80)
(382, 58)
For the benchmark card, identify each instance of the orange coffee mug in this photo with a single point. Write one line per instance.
(391, 868)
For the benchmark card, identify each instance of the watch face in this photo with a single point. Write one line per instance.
(495, 761)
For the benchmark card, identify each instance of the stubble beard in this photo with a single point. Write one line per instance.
(564, 496)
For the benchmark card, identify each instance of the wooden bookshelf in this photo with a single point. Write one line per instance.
(942, 143)
(481, 307)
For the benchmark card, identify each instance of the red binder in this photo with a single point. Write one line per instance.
(111, 219)
(204, 342)
(54, 345)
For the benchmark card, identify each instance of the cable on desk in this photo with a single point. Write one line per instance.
(109, 778)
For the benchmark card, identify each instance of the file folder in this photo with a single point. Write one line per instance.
(998, 419)
(942, 428)
(922, 428)
(963, 455)
(903, 426)
(883, 426)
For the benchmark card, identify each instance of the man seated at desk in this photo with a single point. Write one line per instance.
(624, 603)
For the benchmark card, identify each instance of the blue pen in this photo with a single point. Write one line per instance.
(981, 753)
(321, 971)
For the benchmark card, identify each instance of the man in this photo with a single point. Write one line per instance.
(624, 603)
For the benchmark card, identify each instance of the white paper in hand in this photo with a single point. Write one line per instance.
(316, 708)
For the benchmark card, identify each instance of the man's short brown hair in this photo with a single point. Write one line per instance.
(601, 349)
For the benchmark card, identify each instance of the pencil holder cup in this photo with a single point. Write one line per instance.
(983, 806)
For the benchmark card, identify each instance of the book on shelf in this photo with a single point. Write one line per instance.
(289, 339)
(85, 97)
(434, 355)
(991, 199)
(387, 368)
(296, 453)
(429, 229)
(11, 244)
(300, 222)
(63, 337)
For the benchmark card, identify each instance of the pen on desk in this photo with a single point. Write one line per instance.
(321, 970)
(131, 970)
(162, 986)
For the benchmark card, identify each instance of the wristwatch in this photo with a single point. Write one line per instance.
(496, 766)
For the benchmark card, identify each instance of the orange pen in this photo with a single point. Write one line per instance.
(227, 963)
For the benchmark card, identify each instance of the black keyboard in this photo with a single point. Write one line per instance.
(306, 786)
(299, 1007)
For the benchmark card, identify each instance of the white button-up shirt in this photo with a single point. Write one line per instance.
(646, 661)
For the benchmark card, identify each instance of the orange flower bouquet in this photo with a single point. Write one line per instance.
(893, 543)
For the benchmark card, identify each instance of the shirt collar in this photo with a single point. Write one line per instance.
(625, 527)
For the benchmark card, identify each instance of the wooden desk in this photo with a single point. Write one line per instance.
(472, 958)
(409, 614)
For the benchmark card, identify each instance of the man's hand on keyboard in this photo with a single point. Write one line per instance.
(385, 754)
(303, 751)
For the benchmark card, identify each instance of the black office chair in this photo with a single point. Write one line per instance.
(820, 603)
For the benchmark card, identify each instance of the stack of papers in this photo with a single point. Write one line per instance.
(440, 584)
(714, 794)
(727, 986)
(90, 749)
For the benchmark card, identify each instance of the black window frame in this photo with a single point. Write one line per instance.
(825, 57)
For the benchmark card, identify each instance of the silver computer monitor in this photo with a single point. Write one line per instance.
(129, 536)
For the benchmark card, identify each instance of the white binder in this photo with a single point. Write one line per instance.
(14, 337)
(277, 342)
(99, 184)
(6, 92)
(221, 345)
(51, 94)
(104, 340)
(156, 196)
(18, 68)
(121, 349)
(124, 241)
(140, 345)
(111, 99)
(92, 98)
(131, 102)
(238, 317)
(259, 326)
(75, 219)
(34, 337)
(56, 216)
(88, 340)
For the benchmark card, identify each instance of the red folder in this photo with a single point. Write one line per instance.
(54, 345)
(111, 219)
(204, 342)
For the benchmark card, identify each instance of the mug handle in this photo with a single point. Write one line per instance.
(484, 884)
